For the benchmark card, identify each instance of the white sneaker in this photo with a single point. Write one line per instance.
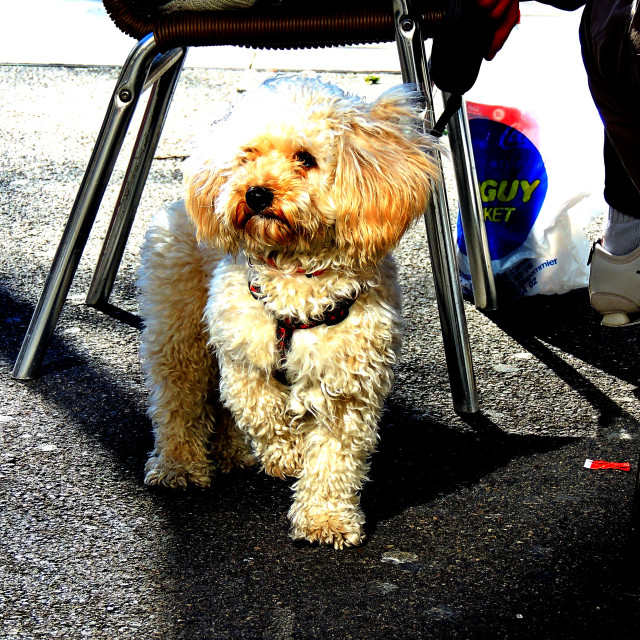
(614, 286)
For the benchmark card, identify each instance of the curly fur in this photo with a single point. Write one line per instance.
(345, 179)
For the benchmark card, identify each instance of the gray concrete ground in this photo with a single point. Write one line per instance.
(481, 528)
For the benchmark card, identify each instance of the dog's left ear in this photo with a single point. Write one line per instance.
(383, 177)
(203, 181)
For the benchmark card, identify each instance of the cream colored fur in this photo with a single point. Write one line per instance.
(346, 179)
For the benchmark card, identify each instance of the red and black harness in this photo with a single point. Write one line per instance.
(286, 326)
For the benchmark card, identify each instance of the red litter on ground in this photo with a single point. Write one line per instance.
(602, 464)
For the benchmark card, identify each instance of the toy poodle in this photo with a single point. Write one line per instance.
(271, 307)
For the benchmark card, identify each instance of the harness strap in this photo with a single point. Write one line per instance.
(286, 326)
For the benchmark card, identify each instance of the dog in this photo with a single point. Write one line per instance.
(272, 313)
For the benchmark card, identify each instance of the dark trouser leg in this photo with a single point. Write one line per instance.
(613, 69)
(620, 192)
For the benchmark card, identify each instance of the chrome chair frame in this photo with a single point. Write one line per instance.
(146, 67)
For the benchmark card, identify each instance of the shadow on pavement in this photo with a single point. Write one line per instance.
(568, 323)
(507, 542)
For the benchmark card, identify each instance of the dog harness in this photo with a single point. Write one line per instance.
(286, 326)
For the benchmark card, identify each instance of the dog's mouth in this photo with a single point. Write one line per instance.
(244, 215)
(269, 226)
(267, 215)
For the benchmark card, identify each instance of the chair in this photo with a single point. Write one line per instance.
(156, 62)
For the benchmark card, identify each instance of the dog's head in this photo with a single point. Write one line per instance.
(302, 169)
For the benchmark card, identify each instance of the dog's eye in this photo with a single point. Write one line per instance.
(305, 159)
(249, 153)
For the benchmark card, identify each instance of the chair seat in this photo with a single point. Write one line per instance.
(174, 6)
(289, 24)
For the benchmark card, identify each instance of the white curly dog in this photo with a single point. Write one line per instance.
(270, 301)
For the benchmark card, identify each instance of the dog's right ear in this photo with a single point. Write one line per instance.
(203, 182)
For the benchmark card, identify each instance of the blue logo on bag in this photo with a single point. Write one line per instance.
(513, 184)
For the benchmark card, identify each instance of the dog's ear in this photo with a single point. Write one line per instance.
(399, 105)
(203, 181)
(383, 177)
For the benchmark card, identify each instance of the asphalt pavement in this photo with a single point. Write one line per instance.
(488, 527)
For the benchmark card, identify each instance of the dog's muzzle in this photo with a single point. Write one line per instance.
(257, 215)
(258, 198)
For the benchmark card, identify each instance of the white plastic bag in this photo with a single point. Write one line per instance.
(537, 246)
(555, 124)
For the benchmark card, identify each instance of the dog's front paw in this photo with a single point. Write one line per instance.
(338, 528)
(174, 474)
(283, 459)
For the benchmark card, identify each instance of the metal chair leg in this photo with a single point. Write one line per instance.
(109, 142)
(443, 260)
(471, 211)
(136, 176)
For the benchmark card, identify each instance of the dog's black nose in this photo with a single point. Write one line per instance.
(258, 198)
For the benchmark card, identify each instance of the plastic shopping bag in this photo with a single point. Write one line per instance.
(536, 245)
(554, 136)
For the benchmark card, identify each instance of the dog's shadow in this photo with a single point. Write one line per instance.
(419, 459)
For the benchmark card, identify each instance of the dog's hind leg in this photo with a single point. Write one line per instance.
(180, 370)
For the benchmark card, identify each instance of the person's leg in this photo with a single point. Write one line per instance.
(622, 229)
(612, 62)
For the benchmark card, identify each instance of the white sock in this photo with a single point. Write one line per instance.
(621, 234)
